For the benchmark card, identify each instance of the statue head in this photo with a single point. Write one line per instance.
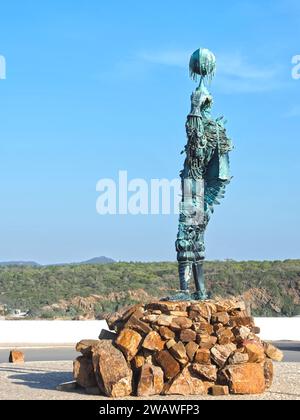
(202, 64)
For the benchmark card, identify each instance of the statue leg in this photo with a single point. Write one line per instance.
(185, 275)
(198, 273)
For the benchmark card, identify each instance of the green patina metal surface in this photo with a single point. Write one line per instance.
(204, 177)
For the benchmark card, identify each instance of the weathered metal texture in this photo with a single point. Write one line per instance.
(204, 177)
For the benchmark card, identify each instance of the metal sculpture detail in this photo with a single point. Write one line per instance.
(204, 177)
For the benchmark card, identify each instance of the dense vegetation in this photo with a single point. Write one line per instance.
(272, 287)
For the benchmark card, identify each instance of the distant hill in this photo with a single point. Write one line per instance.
(271, 288)
(94, 261)
(99, 260)
(19, 263)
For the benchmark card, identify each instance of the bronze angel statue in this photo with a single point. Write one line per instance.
(204, 177)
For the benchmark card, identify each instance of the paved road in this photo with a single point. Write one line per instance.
(291, 352)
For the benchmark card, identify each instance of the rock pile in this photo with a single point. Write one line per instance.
(178, 348)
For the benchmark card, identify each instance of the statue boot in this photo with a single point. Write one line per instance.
(198, 273)
(185, 276)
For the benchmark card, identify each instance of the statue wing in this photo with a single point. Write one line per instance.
(216, 179)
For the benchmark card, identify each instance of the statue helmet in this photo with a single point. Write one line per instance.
(203, 64)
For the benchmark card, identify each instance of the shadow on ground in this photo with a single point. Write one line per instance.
(38, 380)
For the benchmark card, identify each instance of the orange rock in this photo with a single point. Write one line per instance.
(169, 365)
(206, 341)
(268, 372)
(186, 383)
(272, 352)
(181, 323)
(245, 321)
(136, 324)
(128, 341)
(85, 346)
(167, 306)
(205, 372)
(188, 335)
(238, 357)
(225, 336)
(220, 317)
(219, 390)
(246, 379)
(191, 349)
(151, 381)
(16, 357)
(153, 342)
(166, 333)
(203, 309)
(203, 328)
(138, 362)
(178, 351)
(178, 313)
(164, 320)
(255, 351)
(221, 353)
(203, 356)
(113, 375)
(83, 372)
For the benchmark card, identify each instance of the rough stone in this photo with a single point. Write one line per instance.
(138, 361)
(151, 381)
(150, 318)
(273, 353)
(241, 333)
(244, 321)
(203, 328)
(16, 357)
(106, 335)
(178, 313)
(220, 353)
(188, 335)
(221, 317)
(181, 323)
(205, 372)
(178, 351)
(186, 383)
(136, 324)
(225, 336)
(206, 341)
(203, 310)
(246, 379)
(68, 386)
(237, 358)
(153, 342)
(268, 373)
(168, 306)
(219, 390)
(166, 333)
(169, 365)
(113, 375)
(129, 341)
(164, 320)
(255, 351)
(191, 349)
(83, 372)
(203, 356)
(85, 346)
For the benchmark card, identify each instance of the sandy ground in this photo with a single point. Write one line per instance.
(38, 381)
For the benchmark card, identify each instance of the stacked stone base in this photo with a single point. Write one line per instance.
(178, 348)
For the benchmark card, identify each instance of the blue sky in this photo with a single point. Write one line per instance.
(96, 87)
